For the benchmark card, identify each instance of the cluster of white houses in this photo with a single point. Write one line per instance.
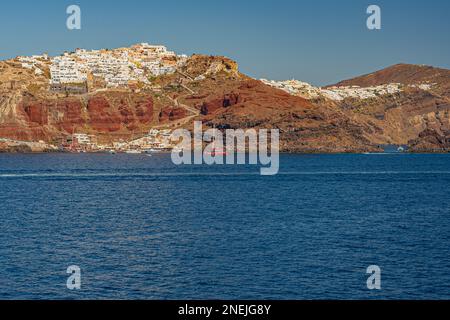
(295, 87)
(35, 63)
(156, 140)
(307, 91)
(341, 93)
(113, 68)
(117, 68)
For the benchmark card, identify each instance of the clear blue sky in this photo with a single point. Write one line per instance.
(319, 41)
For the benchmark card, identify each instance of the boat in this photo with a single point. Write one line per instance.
(217, 151)
(152, 150)
(133, 152)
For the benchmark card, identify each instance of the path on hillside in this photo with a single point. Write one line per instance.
(180, 122)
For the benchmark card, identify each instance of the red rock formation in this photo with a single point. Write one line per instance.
(67, 115)
(36, 111)
(47, 118)
(304, 127)
(226, 101)
(101, 116)
(170, 113)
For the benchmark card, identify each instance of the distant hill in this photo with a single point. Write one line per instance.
(401, 73)
(419, 118)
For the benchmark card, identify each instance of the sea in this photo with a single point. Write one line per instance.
(140, 227)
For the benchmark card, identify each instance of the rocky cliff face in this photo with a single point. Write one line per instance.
(30, 111)
(304, 126)
(212, 89)
(420, 111)
(37, 118)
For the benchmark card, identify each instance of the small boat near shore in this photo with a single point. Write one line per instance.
(218, 152)
(152, 150)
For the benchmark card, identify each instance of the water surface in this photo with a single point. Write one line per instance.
(141, 228)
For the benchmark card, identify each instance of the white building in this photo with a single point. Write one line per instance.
(117, 67)
(82, 138)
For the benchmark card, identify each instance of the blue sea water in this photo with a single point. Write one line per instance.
(142, 228)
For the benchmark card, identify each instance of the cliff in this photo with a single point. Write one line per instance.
(212, 89)
(409, 116)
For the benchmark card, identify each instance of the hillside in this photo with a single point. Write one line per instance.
(401, 73)
(119, 95)
(417, 116)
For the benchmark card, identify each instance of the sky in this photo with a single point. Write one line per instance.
(318, 41)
